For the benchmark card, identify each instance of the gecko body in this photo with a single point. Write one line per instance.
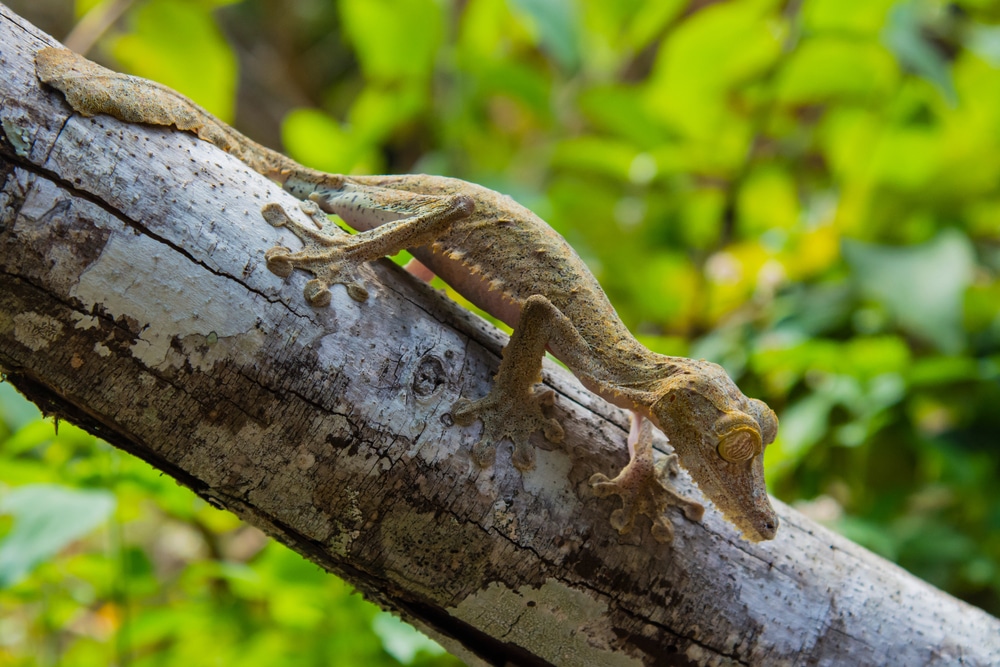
(509, 262)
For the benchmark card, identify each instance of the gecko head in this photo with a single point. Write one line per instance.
(720, 435)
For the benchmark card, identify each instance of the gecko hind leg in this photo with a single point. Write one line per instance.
(512, 410)
(321, 243)
(643, 486)
(333, 256)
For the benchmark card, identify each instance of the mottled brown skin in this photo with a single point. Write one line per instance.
(509, 262)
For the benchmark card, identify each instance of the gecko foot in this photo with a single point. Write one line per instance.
(507, 418)
(644, 489)
(326, 254)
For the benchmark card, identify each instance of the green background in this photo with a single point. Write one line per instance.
(805, 192)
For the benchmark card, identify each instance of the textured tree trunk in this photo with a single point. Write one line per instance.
(134, 301)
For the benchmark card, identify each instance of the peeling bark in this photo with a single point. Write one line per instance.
(134, 301)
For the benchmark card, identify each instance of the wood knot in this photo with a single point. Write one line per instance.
(429, 376)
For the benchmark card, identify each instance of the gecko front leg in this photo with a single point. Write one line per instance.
(512, 410)
(333, 256)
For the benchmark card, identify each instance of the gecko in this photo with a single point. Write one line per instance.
(512, 264)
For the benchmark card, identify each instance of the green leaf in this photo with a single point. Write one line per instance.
(603, 156)
(377, 112)
(401, 640)
(705, 58)
(984, 41)
(557, 26)
(768, 199)
(648, 21)
(861, 17)
(922, 286)
(803, 424)
(15, 410)
(201, 65)
(316, 140)
(395, 40)
(619, 110)
(46, 519)
(904, 35)
(827, 68)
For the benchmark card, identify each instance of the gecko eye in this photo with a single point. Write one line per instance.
(739, 438)
(765, 417)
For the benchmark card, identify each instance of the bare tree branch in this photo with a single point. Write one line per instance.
(134, 302)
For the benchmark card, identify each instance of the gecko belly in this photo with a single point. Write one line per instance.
(473, 285)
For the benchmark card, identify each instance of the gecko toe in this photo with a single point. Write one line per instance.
(545, 397)
(484, 452)
(621, 520)
(506, 419)
(278, 262)
(357, 292)
(317, 293)
(553, 430)
(601, 484)
(523, 456)
(275, 215)
(694, 511)
(662, 531)
(463, 412)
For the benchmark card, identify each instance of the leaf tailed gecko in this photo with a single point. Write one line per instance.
(510, 263)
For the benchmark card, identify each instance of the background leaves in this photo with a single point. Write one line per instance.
(807, 192)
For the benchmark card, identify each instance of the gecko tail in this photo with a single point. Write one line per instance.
(91, 90)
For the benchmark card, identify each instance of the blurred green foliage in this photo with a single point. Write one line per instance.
(806, 192)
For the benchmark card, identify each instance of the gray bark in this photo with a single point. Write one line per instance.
(134, 301)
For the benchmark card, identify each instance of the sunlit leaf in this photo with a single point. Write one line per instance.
(721, 46)
(401, 640)
(557, 25)
(646, 23)
(376, 112)
(395, 40)
(317, 140)
(524, 84)
(941, 370)
(826, 68)
(904, 35)
(984, 40)
(46, 519)
(620, 111)
(865, 17)
(922, 286)
(15, 409)
(152, 50)
(768, 199)
(607, 156)
(907, 157)
(803, 424)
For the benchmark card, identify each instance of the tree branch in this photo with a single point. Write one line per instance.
(134, 301)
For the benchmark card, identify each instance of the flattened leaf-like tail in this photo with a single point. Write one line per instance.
(91, 90)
